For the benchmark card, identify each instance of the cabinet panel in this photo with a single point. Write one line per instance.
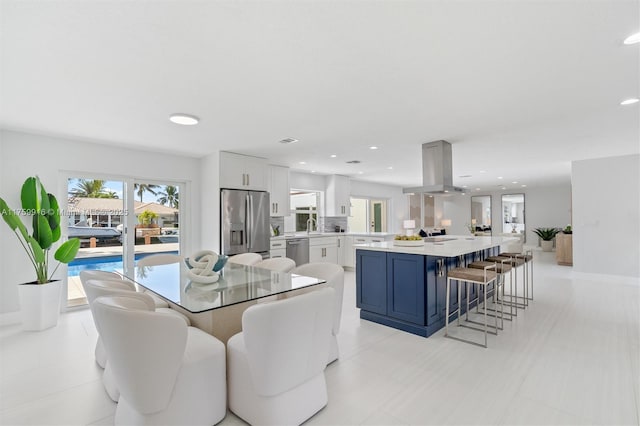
(337, 196)
(279, 191)
(340, 251)
(436, 277)
(371, 268)
(278, 253)
(406, 286)
(242, 172)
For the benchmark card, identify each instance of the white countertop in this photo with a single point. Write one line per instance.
(461, 245)
(331, 234)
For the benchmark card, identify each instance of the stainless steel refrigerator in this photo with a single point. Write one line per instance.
(244, 219)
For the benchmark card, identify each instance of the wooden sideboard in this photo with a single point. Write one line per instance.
(564, 249)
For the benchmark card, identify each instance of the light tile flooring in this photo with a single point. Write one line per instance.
(573, 357)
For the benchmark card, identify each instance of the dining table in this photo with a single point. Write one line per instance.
(217, 307)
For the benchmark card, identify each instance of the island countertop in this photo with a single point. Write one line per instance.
(456, 245)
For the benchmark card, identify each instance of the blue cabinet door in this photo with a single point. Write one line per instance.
(406, 287)
(371, 281)
(436, 286)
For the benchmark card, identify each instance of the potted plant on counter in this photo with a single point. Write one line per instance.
(546, 235)
(39, 299)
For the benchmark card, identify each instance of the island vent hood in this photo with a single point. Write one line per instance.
(437, 171)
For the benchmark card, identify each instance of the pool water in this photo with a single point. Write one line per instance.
(106, 263)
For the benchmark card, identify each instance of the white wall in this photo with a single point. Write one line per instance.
(606, 215)
(25, 155)
(548, 207)
(210, 201)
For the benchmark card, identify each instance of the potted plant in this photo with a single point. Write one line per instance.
(547, 235)
(567, 230)
(39, 299)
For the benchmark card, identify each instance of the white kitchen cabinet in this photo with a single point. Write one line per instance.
(279, 191)
(323, 249)
(278, 247)
(337, 196)
(242, 172)
(341, 252)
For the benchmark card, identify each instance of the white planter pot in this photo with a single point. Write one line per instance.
(40, 305)
(546, 245)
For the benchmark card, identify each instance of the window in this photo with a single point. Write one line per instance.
(422, 210)
(304, 207)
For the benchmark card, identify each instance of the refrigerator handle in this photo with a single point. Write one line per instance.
(248, 223)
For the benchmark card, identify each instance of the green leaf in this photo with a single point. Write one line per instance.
(12, 219)
(29, 195)
(55, 234)
(44, 234)
(38, 253)
(44, 200)
(53, 216)
(67, 251)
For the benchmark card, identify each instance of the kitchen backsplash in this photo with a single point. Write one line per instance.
(330, 224)
(279, 223)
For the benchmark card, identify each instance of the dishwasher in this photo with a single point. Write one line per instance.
(298, 250)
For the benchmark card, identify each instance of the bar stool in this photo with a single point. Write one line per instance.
(527, 256)
(481, 277)
(501, 268)
(513, 296)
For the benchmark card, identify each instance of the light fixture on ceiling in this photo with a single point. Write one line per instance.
(464, 186)
(524, 186)
(632, 39)
(390, 168)
(514, 182)
(483, 171)
(373, 147)
(333, 156)
(499, 177)
(360, 173)
(184, 119)
(302, 162)
(629, 101)
(313, 171)
(289, 140)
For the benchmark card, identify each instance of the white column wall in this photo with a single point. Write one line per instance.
(210, 200)
(25, 155)
(606, 215)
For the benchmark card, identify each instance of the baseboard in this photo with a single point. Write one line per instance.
(10, 318)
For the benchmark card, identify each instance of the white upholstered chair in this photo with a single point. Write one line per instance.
(245, 259)
(167, 373)
(112, 276)
(276, 365)
(100, 288)
(334, 276)
(277, 264)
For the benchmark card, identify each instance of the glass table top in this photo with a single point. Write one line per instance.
(237, 284)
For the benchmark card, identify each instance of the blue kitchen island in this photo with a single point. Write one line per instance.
(404, 287)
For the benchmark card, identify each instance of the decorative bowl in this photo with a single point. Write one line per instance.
(222, 260)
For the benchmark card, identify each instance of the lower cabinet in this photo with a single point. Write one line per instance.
(323, 249)
(406, 287)
(371, 281)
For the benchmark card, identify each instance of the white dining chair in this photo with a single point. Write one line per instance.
(334, 276)
(167, 373)
(277, 264)
(100, 288)
(276, 364)
(245, 259)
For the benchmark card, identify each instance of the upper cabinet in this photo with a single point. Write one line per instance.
(279, 190)
(242, 172)
(337, 195)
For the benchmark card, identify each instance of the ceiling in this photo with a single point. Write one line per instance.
(520, 88)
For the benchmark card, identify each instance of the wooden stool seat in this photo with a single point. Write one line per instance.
(526, 257)
(479, 276)
(514, 261)
(501, 268)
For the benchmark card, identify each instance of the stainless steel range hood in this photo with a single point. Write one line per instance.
(437, 170)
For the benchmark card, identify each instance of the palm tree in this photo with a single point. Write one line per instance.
(169, 196)
(141, 188)
(88, 188)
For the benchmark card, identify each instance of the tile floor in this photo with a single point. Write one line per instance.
(573, 357)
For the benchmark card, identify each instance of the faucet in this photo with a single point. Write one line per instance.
(310, 223)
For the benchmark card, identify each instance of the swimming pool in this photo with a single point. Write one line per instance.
(105, 263)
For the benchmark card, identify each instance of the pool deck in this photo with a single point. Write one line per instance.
(75, 292)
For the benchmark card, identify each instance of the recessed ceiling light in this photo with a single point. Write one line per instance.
(523, 186)
(373, 147)
(629, 101)
(515, 181)
(313, 171)
(632, 39)
(446, 190)
(360, 173)
(390, 168)
(302, 162)
(504, 187)
(499, 177)
(333, 156)
(184, 119)
(289, 140)
(464, 193)
(483, 171)
(464, 186)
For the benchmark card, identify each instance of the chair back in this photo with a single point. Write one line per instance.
(246, 259)
(144, 349)
(99, 288)
(159, 259)
(104, 275)
(287, 341)
(334, 276)
(277, 264)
